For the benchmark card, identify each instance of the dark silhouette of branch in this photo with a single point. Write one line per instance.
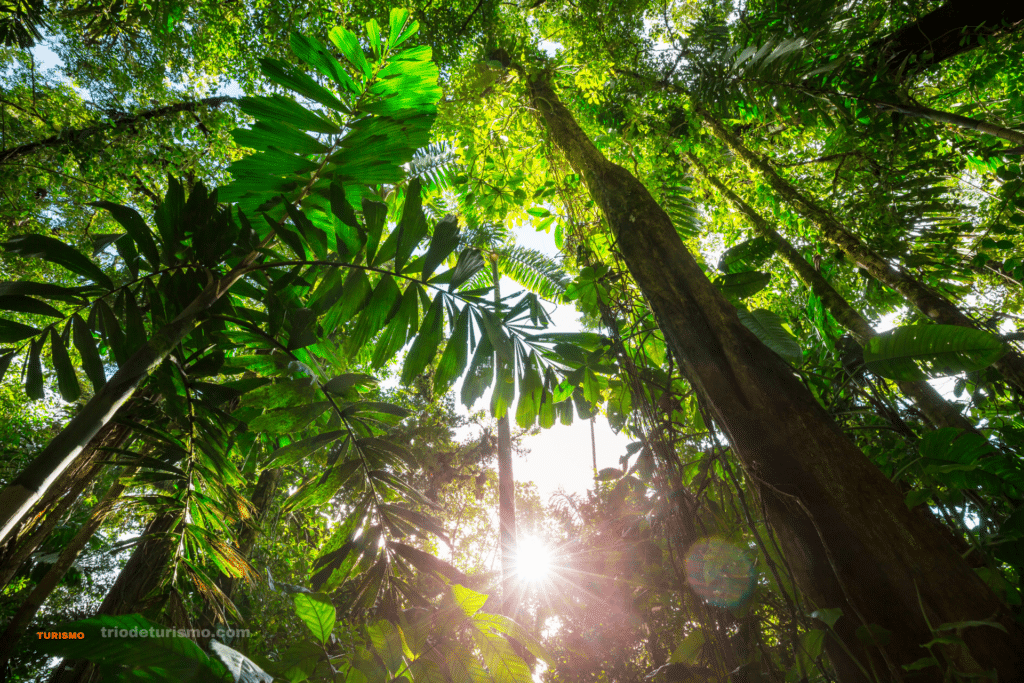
(69, 136)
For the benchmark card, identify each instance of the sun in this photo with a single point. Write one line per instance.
(534, 560)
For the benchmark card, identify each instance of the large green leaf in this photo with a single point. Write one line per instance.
(917, 352)
(746, 255)
(736, 286)
(67, 380)
(317, 613)
(425, 346)
(136, 228)
(55, 251)
(767, 326)
(11, 331)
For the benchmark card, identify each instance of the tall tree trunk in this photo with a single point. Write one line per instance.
(929, 302)
(938, 410)
(848, 536)
(23, 617)
(953, 28)
(506, 488)
(51, 508)
(141, 575)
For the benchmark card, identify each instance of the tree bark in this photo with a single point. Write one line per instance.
(846, 531)
(51, 508)
(936, 409)
(940, 35)
(67, 137)
(142, 574)
(23, 617)
(929, 302)
(506, 490)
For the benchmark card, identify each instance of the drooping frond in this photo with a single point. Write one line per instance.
(677, 201)
(535, 271)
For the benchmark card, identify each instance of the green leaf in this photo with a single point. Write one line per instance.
(376, 313)
(292, 453)
(341, 384)
(767, 326)
(917, 352)
(55, 251)
(67, 380)
(112, 332)
(746, 255)
(456, 353)
(317, 613)
(86, 345)
(400, 27)
(289, 420)
(469, 264)
(136, 228)
(280, 109)
(284, 394)
(347, 42)
(40, 289)
(11, 331)
(313, 53)
(374, 216)
(736, 286)
(397, 331)
(468, 600)
(812, 644)
(24, 304)
(829, 616)
(282, 74)
(425, 346)
(442, 244)
(34, 371)
(922, 663)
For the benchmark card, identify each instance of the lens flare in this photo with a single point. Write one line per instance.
(719, 572)
(533, 560)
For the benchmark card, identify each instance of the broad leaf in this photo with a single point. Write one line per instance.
(917, 352)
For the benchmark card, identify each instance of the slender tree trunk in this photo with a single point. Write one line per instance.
(847, 534)
(953, 28)
(23, 617)
(142, 575)
(68, 137)
(18, 498)
(506, 490)
(929, 302)
(938, 410)
(51, 508)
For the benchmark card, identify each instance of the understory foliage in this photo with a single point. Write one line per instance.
(299, 283)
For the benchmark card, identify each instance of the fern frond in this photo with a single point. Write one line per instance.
(535, 271)
(434, 165)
